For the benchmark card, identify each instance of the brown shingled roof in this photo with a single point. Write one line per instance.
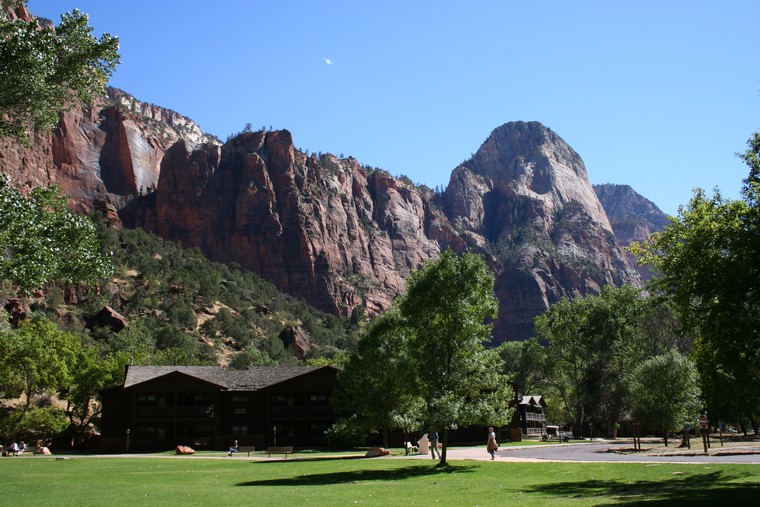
(252, 379)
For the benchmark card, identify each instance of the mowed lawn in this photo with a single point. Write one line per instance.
(195, 480)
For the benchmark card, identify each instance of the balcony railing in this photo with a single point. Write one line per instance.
(181, 411)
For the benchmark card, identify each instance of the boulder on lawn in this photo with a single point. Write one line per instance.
(377, 451)
(183, 449)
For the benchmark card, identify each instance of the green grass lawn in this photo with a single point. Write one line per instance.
(343, 480)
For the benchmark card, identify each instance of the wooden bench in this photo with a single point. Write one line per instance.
(279, 450)
(248, 449)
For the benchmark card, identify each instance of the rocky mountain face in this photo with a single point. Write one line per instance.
(633, 217)
(526, 199)
(321, 228)
(340, 235)
(106, 153)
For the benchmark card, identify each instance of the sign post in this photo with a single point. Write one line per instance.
(703, 428)
(636, 437)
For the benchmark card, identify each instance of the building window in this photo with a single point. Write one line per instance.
(240, 430)
(153, 431)
(193, 399)
(240, 398)
(280, 400)
(239, 411)
(318, 399)
(146, 400)
(318, 428)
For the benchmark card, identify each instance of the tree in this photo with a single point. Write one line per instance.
(89, 375)
(525, 363)
(592, 343)
(37, 359)
(706, 261)
(45, 70)
(41, 241)
(665, 392)
(378, 379)
(448, 306)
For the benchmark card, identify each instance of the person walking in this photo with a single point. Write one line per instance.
(433, 437)
(492, 446)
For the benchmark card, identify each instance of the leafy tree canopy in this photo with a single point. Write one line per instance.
(449, 304)
(378, 382)
(593, 342)
(46, 70)
(425, 363)
(41, 241)
(706, 260)
(665, 392)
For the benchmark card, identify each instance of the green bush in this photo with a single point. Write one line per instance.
(345, 434)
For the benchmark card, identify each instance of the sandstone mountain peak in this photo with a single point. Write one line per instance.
(633, 217)
(529, 159)
(342, 236)
(525, 198)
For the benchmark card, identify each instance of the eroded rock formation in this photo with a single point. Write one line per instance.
(632, 216)
(342, 236)
(320, 228)
(109, 152)
(525, 196)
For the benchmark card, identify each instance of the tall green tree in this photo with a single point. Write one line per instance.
(46, 70)
(378, 379)
(37, 359)
(41, 241)
(706, 260)
(524, 363)
(665, 392)
(592, 343)
(449, 305)
(90, 374)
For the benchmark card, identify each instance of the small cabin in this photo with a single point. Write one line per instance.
(531, 409)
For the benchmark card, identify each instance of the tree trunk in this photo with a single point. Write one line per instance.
(753, 423)
(445, 446)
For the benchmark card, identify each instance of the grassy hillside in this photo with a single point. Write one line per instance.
(184, 309)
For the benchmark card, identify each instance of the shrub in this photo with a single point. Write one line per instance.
(345, 434)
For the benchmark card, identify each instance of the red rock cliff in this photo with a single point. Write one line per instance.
(319, 228)
(325, 229)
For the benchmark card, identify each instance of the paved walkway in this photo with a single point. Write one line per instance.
(596, 451)
(604, 451)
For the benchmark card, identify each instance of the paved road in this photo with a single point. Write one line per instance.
(600, 452)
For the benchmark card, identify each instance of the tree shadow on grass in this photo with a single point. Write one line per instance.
(353, 476)
(310, 460)
(713, 488)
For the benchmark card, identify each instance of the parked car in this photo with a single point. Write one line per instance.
(554, 433)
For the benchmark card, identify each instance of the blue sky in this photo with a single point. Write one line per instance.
(659, 95)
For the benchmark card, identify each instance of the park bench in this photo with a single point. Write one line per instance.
(279, 450)
(248, 449)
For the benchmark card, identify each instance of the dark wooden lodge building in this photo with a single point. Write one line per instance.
(160, 407)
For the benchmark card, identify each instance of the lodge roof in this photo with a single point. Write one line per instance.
(252, 379)
(533, 399)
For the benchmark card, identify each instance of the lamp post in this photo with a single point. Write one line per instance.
(127, 448)
(274, 436)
